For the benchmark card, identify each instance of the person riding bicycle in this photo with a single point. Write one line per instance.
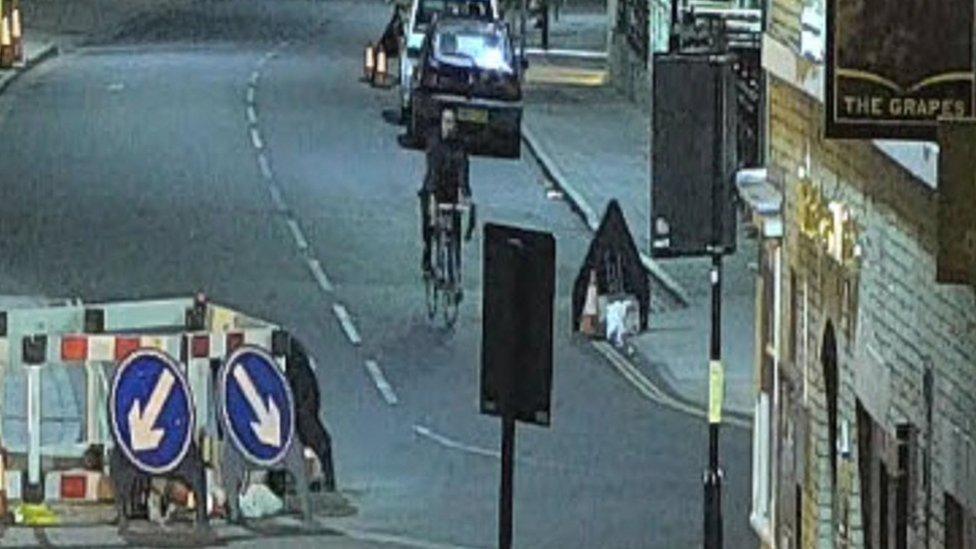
(446, 182)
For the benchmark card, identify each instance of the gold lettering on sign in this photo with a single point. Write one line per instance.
(830, 225)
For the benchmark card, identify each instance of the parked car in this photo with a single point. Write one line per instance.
(471, 67)
(422, 14)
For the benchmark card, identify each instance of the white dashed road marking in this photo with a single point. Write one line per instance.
(250, 95)
(265, 167)
(343, 315)
(256, 139)
(279, 202)
(319, 274)
(296, 233)
(252, 116)
(381, 383)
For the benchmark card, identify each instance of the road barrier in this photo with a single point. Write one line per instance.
(99, 382)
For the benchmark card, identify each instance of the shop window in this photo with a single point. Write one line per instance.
(883, 525)
(828, 359)
(904, 502)
(955, 524)
(865, 460)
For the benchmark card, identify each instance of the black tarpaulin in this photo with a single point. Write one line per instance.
(617, 263)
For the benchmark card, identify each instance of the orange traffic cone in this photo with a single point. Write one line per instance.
(381, 68)
(6, 45)
(369, 63)
(16, 32)
(590, 315)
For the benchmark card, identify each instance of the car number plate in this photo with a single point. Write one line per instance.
(478, 116)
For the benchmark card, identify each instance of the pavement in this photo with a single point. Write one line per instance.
(229, 147)
(593, 144)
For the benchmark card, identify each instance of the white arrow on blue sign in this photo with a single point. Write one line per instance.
(151, 411)
(258, 409)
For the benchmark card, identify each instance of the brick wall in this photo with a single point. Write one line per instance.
(902, 319)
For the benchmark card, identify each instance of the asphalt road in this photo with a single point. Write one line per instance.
(130, 170)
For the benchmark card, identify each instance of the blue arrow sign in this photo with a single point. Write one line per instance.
(151, 410)
(258, 410)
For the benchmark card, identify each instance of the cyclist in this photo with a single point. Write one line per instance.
(446, 182)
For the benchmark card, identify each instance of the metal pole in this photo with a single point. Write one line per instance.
(545, 25)
(506, 501)
(713, 476)
(522, 30)
(33, 432)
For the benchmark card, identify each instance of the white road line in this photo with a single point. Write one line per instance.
(319, 274)
(296, 233)
(343, 315)
(653, 392)
(265, 167)
(252, 115)
(254, 78)
(381, 383)
(276, 198)
(250, 95)
(391, 539)
(448, 443)
(256, 139)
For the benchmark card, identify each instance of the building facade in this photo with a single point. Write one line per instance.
(866, 409)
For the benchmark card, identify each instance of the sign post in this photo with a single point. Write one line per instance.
(152, 415)
(257, 411)
(516, 344)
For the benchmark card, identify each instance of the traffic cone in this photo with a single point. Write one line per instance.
(590, 316)
(6, 45)
(369, 63)
(381, 67)
(16, 33)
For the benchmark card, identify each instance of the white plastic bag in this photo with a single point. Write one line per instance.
(616, 325)
(259, 501)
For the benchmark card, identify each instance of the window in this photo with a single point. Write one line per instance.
(955, 524)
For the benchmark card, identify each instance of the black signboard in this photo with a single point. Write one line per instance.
(895, 68)
(956, 258)
(516, 343)
(693, 160)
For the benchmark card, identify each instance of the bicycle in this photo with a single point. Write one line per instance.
(443, 282)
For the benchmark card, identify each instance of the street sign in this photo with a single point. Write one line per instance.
(258, 408)
(516, 345)
(151, 411)
(893, 70)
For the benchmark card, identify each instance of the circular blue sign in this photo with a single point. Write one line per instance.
(257, 406)
(151, 411)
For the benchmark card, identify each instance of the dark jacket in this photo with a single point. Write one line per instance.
(447, 170)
